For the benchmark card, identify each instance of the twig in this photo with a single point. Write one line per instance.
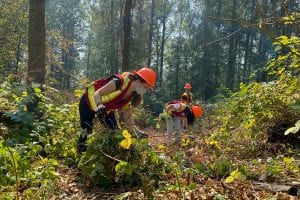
(207, 44)
(111, 157)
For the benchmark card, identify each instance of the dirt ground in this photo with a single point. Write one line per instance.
(206, 188)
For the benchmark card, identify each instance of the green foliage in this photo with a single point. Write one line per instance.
(257, 110)
(106, 161)
(220, 168)
(143, 118)
(21, 167)
(295, 129)
(13, 28)
(33, 141)
(235, 175)
(288, 56)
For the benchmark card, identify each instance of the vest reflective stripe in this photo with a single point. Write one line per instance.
(91, 92)
(105, 99)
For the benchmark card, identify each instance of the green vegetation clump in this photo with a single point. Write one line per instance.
(33, 144)
(262, 112)
(118, 157)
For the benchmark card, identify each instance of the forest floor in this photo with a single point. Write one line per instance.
(206, 188)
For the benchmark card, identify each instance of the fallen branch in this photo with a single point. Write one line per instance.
(273, 187)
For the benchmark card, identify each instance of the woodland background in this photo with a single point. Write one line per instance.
(241, 57)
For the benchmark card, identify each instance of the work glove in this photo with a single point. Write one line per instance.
(100, 111)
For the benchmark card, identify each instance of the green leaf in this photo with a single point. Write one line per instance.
(296, 105)
(288, 161)
(229, 179)
(119, 166)
(124, 167)
(236, 174)
(291, 130)
(37, 90)
(294, 129)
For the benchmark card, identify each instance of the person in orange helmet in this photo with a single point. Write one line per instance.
(177, 109)
(117, 92)
(189, 101)
(188, 93)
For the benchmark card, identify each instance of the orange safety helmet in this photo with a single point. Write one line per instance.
(188, 86)
(148, 75)
(197, 111)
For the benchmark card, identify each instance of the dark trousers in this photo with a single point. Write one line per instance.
(86, 122)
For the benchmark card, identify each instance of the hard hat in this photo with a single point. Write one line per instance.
(197, 111)
(188, 86)
(148, 75)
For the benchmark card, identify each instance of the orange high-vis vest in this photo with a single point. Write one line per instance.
(113, 100)
(182, 108)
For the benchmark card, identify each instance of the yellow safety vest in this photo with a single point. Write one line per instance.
(108, 97)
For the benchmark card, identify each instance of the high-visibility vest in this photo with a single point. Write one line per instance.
(189, 96)
(113, 100)
(182, 108)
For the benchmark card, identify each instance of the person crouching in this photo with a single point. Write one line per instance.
(175, 110)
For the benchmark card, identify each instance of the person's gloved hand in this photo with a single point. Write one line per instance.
(100, 111)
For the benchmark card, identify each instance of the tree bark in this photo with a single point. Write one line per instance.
(162, 47)
(36, 49)
(126, 29)
(151, 33)
(36, 42)
(230, 80)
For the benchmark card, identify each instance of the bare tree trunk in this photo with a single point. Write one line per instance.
(151, 33)
(157, 50)
(18, 54)
(36, 48)
(230, 76)
(162, 47)
(113, 50)
(126, 29)
(244, 76)
(36, 42)
(88, 60)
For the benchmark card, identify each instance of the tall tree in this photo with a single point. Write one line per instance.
(36, 42)
(163, 37)
(126, 30)
(151, 26)
(64, 23)
(230, 76)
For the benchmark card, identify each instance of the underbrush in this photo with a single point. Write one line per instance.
(264, 113)
(120, 158)
(32, 144)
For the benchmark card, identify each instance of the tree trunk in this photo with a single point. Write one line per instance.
(245, 75)
(230, 80)
(218, 51)
(157, 50)
(88, 59)
(36, 42)
(162, 47)
(18, 54)
(126, 29)
(113, 56)
(36, 49)
(151, 33)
